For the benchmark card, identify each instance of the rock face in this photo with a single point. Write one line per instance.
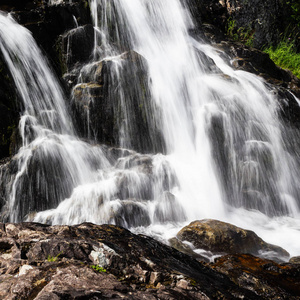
(8, 111)
(76, 47)
(258, 22)
(221, 237)
(102, 111)
(107, 262)
(266, 278)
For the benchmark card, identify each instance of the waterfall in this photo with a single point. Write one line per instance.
(211, 143)
(51, 161)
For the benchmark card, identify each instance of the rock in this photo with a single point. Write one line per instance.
(48, 22)
(168, 209)
(266, 278)
(221, 237)
(77, 47)
(101, 113)
(295, 260)
(8, 110)
(187, 249)
(130, 213)
(281, 82)
(90, 261)
(256, 22)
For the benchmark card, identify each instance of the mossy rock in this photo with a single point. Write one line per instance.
(221, 237)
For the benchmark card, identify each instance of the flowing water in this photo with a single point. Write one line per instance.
(223, 153)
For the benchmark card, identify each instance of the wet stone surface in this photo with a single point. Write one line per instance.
(90, 261)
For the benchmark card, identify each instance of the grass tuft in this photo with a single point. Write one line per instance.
(285, 56)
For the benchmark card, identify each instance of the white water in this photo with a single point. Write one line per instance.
(192, 86)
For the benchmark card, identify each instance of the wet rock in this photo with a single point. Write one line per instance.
(187, 249)
(111, 117)
(48, 22)
(281, 82)
(221, 237)
(259, 23)
(168, 209)
(209, 11)
(129, 213)
(266, 278)
(295, 260)
(8, 110)
(95, 262)
(77, 46)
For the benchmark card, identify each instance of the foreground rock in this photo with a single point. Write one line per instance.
(220, 237)
(264, 277)
(107, 262)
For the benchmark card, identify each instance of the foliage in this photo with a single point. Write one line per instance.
(245, 35)
(286, 56)
(98, 268)
(295, 7)
(53, 258)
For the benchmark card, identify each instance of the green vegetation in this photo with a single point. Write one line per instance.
(98, 268)
(286, 56)
(53, 258)
(242, 34)
(295, 7)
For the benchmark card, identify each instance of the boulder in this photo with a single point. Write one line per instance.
(221, 237)
(120, 110)
(295, 260)
(130, 213)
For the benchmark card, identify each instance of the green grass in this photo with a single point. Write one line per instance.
(53, 258)
(98, 268)
(285, 56)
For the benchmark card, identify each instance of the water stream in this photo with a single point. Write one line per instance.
(224, 155)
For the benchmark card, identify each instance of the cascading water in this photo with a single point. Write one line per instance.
(50, 162)
(224, 155)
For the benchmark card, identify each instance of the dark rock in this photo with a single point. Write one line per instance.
(77, 46)
(265, 19)
(266, 278)
(8, 110)
(180, 246)
(282, 82)
(295, 260)
(102, 262)
(130, 213)
(208, 11)
(48, 22)
(109, 116)
(256, 22)
(8, 5)
(221, 237)
(107, 262)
